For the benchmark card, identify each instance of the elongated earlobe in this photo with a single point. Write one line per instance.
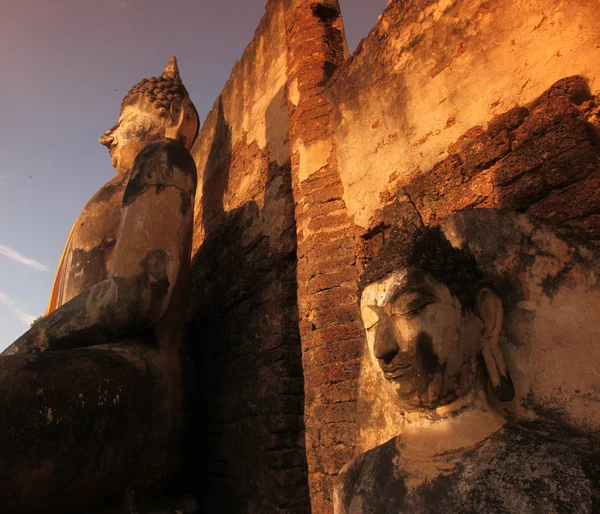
(491, 312)
(180, 124)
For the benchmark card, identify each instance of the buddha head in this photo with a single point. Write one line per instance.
(433, 322)
(154, 108)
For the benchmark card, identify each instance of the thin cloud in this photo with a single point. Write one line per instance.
(6, 300)
(23, 316)
(16, 256)
(119, 5)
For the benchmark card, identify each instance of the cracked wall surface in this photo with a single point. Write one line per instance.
(430, 71)
(248, 431)
(466, 104)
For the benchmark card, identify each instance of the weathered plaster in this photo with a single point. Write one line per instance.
(243, 323)
(551, 293)
(312, 157)
(251, 110)
(427, 73)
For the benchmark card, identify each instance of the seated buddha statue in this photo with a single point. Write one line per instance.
(92, 395)
(433, 323)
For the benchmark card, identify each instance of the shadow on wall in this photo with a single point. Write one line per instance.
(246, 441)
(216, 175)
(543, 160)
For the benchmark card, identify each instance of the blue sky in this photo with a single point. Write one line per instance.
(66, 66)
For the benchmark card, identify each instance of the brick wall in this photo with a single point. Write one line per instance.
(430, 70)
(248, 434)
(298, 163)
(330, 330)
(542, 159)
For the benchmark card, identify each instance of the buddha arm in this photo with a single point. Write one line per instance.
(153, 247)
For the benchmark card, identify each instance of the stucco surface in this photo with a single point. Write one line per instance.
(247, 438)
(548, 282)
(430, 71)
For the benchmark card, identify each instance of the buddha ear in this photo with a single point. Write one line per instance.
(177, 116)
(491, 312)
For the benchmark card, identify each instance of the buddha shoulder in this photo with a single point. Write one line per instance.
(165, 163)
(99, 218)
(519, 469)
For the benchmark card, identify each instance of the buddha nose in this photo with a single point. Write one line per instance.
(385, 347)
(106, 139)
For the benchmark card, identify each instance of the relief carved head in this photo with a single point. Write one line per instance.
(432, 320)
(154, 108)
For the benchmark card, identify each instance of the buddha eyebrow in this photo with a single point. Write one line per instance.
(410, 289)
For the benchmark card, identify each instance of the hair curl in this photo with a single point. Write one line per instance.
(429, 250)
(160, 91)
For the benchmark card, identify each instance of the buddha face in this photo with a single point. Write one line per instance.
(139, 124)
(421, 339)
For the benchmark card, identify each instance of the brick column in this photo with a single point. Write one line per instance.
(330, 328)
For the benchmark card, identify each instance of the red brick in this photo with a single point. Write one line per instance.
(331, 280)
(342, 371)
(446, 175)
(304, 31)
(285, 404)
(309, 360)
(336, 413)
(313, 435)
(335, 459)
(571, 166)
(570, 133)
(314, 211)
(577, 201)
(508, 120)
(484, 151)
(283, 459)
(589, 226)
(332, 373)
(316, 338)
(574, 88)
(336, 296)
(331, 261)
(311, 130)
(324, 241)
(470, 194)
(338, 434)
(306, 212)
(316, 481)
(306, 112)
(306, 327)
(336, 315)
(280, 441)
(340, 392)
(321, 504)
(332, 221)
(543, 118)
(338, 351)
(466, 139)
(524, 192)
(313, 459)
(286, 385)
(324, 195)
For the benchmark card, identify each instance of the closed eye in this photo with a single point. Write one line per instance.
(369, 316)
(412, 303)
(413, 310)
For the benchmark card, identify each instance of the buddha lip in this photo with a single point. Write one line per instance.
(396, 371)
